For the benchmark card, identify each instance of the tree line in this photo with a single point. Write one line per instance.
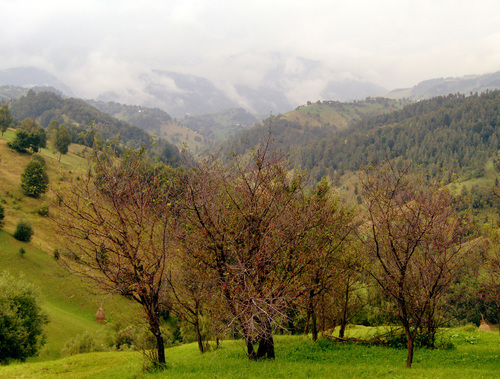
(249, 248)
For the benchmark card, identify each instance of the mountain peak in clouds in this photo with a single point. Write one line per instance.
(32, 77)
(261, 83)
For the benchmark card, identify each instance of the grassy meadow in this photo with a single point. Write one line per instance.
(475, 355)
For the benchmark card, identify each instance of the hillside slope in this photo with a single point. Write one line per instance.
(309, 123)
(70, 303)
(86, 123)
(444, 86)
(453, 134)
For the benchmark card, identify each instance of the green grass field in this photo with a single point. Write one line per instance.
(476, 355)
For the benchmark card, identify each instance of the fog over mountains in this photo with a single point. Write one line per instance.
(283, 84)
(286, 83)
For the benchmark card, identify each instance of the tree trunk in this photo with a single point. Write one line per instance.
(266, 347)
(343, 319)
(342, 328)
(314, 326)
(160, 346)
(250, 351)
(498, 306)
(308, 317)
(409, 341)
(291, 324)
(198, 335)
(154, 327)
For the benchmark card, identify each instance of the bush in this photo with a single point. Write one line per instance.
(38, 158)
(24, 231)
(22, 251)
(21, 320)
(34, 179)
(86, 343)
(125, 338)
(42, 210)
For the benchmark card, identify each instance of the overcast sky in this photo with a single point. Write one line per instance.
(92, 44)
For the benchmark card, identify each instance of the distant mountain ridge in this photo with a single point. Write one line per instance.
(277, 84)
(285, 82)
(32, 77)
(444, 86)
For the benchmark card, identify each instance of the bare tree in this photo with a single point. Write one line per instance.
(117, 220)
(191, 296)
(414, 240)
(245, 226)
(326, 248)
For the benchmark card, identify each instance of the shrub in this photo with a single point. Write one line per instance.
(86, 343)
(125, 338)
(38, 158)
(21, 320)
(24, 231)
(22, 251)
(42, 210)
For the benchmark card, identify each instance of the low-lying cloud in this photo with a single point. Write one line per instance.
(98, 46)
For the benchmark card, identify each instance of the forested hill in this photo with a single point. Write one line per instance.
(148, 119)
(84, 121)
(452, 133)
(312, 122)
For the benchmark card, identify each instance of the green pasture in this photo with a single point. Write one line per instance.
(475, 355)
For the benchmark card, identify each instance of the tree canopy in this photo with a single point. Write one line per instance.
(5, 118)
(21, 319)
(34, 179)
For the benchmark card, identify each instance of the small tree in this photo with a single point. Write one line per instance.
(34, 179)
(5, 118)
(61, 139)
(491, 276)
(325, 248)
(28, 136)
(24, 231)
(414, 240)
(21, 320)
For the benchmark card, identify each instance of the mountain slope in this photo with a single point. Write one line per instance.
(444, 86)
(309, 123)
(455, 133)
(70, 303)
(86, 122)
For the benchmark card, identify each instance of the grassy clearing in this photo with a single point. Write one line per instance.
(476, 354)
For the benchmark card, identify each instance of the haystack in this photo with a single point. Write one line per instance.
(484, 326)
(100, 316)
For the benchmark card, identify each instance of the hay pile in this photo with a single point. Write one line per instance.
(100, 316)
(484, 326)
